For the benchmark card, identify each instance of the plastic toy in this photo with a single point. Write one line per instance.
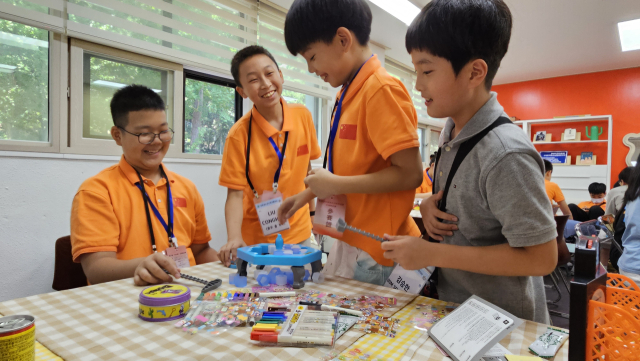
(282, 255)
(594, 132)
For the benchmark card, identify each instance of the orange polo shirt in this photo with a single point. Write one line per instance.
(553, 192)
(588, 204)
(378, 119)
(427, 184)
(302, 147)
(108, 214)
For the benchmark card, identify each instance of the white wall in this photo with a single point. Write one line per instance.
(35, 207)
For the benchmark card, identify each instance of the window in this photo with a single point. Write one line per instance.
(423, 145)
(433, 141)
(103, 76)
(314, 104)
(24, 83)
(211, 107)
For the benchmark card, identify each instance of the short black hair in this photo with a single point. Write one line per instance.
(310, 21)
(133, 98)
(625, 175)
(461, 31)
(432, 158)
(597, 188)
(244, 54)
(548, 166)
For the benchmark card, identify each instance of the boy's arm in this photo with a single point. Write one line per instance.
(203, 253)
(404, 173)
(233, 214)
(423, 195)
(102, 267)
(312, 201)
(564, 207)
(499, 260)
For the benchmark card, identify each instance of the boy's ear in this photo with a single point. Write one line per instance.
(116, 134)
(345, 38)
(478, 72)
(240, 91)
(281, 76)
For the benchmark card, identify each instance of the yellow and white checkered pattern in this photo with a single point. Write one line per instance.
(43, 354)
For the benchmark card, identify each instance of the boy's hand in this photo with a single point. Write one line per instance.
(150, 270)
(411, 253)
(289, 207)
(430, 214)
(321, 182)
(228, 251)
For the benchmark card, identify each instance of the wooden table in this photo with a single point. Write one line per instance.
(100, 323)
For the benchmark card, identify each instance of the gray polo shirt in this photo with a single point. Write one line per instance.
(498, 195)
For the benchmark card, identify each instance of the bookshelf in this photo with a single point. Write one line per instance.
(575, 178)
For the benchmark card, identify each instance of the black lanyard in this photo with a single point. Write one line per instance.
(276, 177)
(147, 201)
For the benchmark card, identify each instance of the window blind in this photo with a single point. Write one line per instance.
(294, 68)
(408, 78)
(204, 32)
(45, 14)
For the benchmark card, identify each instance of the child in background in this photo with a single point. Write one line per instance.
(553, 191)
(271, 124)
(629, 263)
(373, 151)
(502, 239)
(616, 195)
(425, 188)
(114, 234)
(589, 210)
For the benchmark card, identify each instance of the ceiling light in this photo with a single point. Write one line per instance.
(401, 9)
(629, 34)
(110, 84)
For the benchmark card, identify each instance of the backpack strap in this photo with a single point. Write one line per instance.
(465, 149)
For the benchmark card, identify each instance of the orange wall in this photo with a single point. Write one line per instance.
(615, 93)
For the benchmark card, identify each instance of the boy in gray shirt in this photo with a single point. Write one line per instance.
(495, 222)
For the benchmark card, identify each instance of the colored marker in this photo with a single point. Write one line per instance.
(277, 294)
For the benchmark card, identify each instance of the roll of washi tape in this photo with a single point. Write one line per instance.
(164, 302)
(17, 338)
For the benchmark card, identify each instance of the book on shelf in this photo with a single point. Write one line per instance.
(586, 158)
(569, 134)
(542, 136)
(556, 157)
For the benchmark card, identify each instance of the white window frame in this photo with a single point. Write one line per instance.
(57, 90)
(75, 142)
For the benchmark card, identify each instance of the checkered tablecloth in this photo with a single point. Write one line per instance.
(100, 323)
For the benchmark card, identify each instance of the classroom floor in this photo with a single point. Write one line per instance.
(561, 306)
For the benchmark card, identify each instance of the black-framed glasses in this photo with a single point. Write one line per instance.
(148, 138)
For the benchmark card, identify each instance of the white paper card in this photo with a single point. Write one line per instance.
(496, 353)
(468, 332)
(179, 256)
(268, 215)
(409, 281)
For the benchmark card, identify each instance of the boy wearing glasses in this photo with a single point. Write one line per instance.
(124, 219)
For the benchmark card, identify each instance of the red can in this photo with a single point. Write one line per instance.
(17, 338)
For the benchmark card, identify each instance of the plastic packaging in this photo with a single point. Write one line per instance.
(548, 344)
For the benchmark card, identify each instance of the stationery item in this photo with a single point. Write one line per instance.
(342, 226)
(409, 281)
(277, 294)
(164, 302)
(472, 329)
(430, 315)
(267, 208)
(304, 328)
(17, 337)
(376, 323)
(208, 285)
(548, 344)
(345, 322)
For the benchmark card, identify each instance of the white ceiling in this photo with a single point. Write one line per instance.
(550, 37)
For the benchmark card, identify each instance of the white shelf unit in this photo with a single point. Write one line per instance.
(574, 179)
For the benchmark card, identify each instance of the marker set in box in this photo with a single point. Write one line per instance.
(303, 328)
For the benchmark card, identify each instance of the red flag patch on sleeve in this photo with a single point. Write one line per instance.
(348, 131)
(303, 149)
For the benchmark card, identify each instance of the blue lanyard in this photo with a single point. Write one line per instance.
(426, 171)
(276, 177)
(337, 110)
(148, 202)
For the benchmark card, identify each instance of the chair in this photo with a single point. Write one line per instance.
(66, 273)
(564, 257)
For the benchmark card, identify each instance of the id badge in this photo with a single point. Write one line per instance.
(267, 207)
(179, 256)
(328, 211)
(409, 281)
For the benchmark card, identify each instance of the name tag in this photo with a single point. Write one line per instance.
(179, 256)
(409, 281)
(328, 211)
(267, 207)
